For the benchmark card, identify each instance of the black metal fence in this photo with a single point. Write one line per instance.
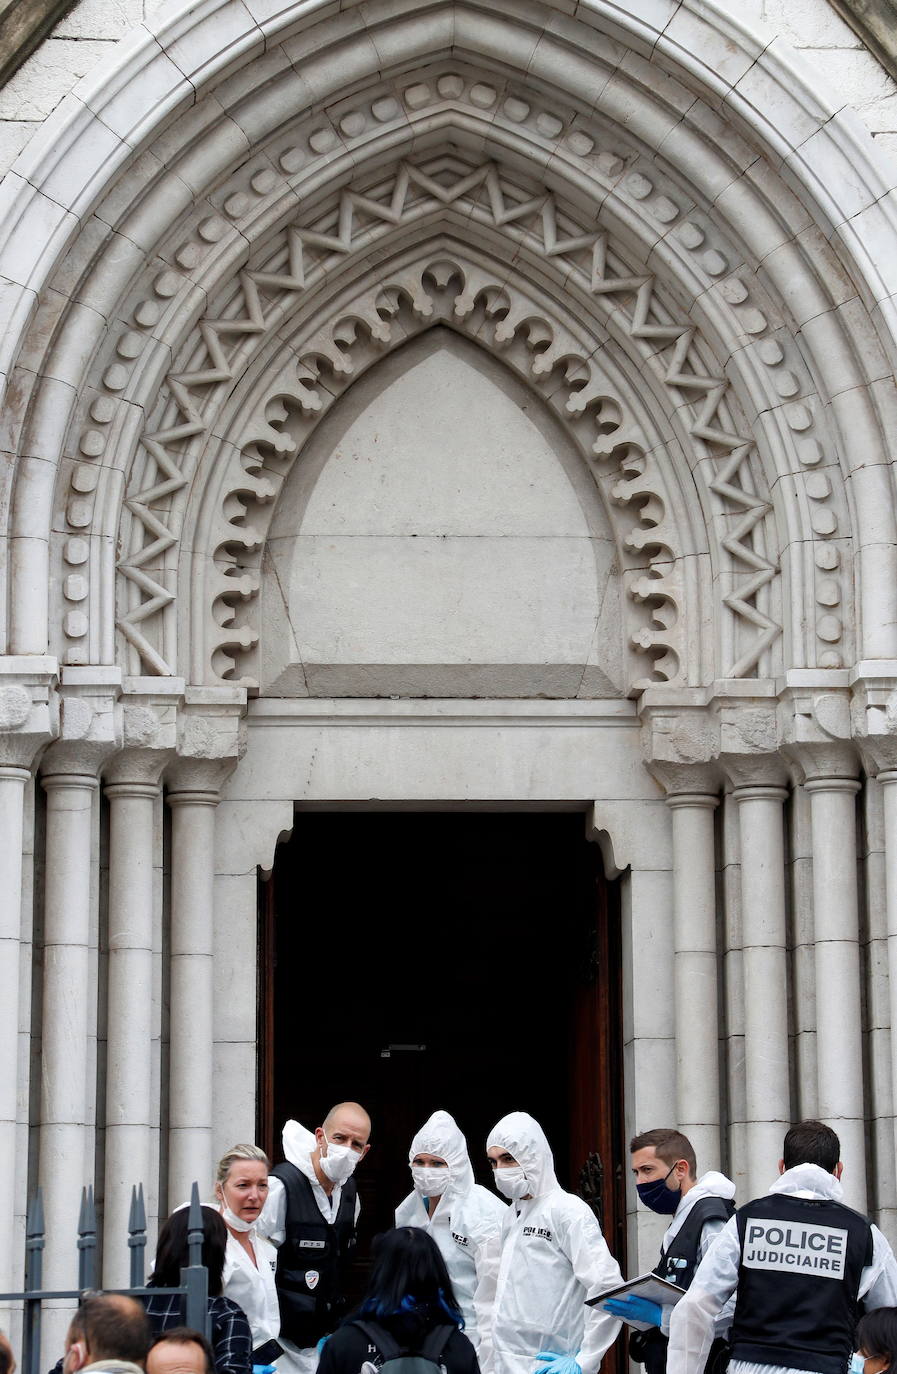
(193, 1288)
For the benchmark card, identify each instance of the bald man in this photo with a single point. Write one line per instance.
(311, 1216)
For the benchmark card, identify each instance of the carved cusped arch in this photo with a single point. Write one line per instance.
(573, 301)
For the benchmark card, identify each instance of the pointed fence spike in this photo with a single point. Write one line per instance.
(87, 1240)
(34, 1224)
(137, 1235)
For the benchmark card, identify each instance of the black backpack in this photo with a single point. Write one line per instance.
(400, 1360)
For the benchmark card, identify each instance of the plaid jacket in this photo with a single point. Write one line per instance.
(231, 1338)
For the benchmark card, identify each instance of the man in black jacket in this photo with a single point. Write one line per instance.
(311, 1215)
(665, 1169)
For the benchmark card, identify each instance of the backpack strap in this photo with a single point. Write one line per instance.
(387, 1346)
(435, 1342)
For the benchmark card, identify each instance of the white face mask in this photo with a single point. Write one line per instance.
(430, 1182)
(233, 1221)
(340, 1162)
(512, 1181)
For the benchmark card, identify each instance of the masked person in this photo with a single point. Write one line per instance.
(665, 1170)
(463, 1219)
(553, 1257)
(311, 1216)
(800, 1265)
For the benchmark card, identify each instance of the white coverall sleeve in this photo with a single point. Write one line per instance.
(709, 1232)
(692, 1327)
(595, 1268)
(486, 1259)
(878, 1282)
(273, 1220)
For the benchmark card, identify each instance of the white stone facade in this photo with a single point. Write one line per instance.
(450, 404)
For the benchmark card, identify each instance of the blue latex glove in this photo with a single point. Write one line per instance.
(321, 1343)
(554, 1363)
(264, 1369)
(634, 1309)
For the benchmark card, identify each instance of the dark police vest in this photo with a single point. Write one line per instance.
(313, 1259)
(798, 1279)
(678, 1264)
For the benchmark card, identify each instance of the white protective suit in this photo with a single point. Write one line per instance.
(298, 1146)
(553, 1257)
(716, 1281)
(466, 1226)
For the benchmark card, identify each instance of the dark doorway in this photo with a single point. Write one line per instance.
(468, 961)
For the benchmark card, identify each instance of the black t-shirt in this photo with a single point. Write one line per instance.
(348, 1348)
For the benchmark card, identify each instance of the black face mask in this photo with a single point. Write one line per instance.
(658, 1196)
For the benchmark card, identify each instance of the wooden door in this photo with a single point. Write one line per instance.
(477, 970)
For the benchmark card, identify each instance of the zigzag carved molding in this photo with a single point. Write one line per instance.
(487, 196)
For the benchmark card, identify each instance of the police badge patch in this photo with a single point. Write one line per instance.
(311, 1278)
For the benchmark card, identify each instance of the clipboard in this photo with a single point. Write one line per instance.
(648, 1286)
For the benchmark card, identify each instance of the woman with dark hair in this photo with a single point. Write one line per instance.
(231, 1339)
(876, 1342)
(409, 1307)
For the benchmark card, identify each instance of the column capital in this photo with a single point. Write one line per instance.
(211, 739)
(756, 772)
(692, 780)
(149, 719)
(873, 711)
(678, 736)
(816, 763)
(29, 708)
(90, 724)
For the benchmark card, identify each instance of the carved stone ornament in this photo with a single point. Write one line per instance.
(625, 313)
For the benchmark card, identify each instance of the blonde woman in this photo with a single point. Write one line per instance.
(241, 1190)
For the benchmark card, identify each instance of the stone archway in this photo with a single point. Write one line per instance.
(246, 211)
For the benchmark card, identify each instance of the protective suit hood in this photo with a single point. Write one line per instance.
(298, 1144)
(809, 1180)
(523, 1137)
(441, 1135)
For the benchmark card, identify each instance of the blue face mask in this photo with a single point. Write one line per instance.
(857, 1363)
(662, 1199)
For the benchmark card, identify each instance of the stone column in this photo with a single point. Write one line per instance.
(28, 722)
(888, 781)
(68, 1092)
(832, 784)
(874, 721)
(192, 988)
(680, 741)
(210, 741)
(696, 972)
(133, 787)
(129, 1015)
(767, 1088)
